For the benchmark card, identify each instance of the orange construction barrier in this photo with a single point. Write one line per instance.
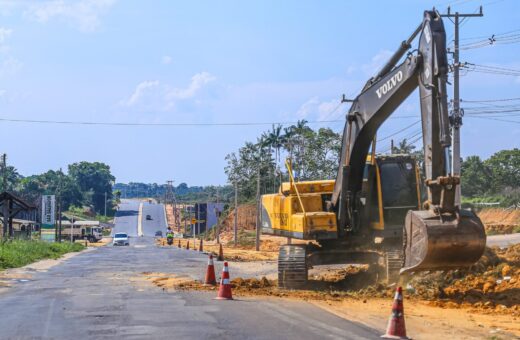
(396, 328)
(210, 273)
(220, 254)
(224, 290)
(201, 247)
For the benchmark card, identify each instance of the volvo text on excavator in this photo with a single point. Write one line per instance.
(374, 211)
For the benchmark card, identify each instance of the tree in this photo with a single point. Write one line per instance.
(51, 182)
(403, 147)
(505, 167)
(11, 178)
(94, 180)
(475, 177)
(321, 158)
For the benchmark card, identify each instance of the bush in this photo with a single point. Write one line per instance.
(19, 253)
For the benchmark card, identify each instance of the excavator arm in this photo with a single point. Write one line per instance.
(441, 236)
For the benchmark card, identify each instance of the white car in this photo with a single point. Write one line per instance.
(120, 239)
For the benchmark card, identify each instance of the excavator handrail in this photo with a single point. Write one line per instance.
(289, 170)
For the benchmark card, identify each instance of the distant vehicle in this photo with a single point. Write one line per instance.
(148, 217)
(158, 233)
(120, 239)
(83, 230)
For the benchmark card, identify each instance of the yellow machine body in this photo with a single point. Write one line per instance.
(299, 209)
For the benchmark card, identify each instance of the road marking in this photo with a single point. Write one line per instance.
(140, 220)
(166, 218)
(50, 311)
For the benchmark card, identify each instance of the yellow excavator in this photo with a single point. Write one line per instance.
(374, 211)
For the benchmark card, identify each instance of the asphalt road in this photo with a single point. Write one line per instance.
(503, 241)
(157, 222)
(101, 293)
(127, 218)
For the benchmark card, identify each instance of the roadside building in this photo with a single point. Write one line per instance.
(208, 213)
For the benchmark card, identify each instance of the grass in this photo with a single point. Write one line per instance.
(19, 253)
(78, 212)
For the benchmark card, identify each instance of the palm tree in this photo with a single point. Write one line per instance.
(404, 147)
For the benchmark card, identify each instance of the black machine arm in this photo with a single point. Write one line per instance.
(441, 236)
(381, 96)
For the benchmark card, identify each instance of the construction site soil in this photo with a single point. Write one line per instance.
(500, 221)
(490, 289)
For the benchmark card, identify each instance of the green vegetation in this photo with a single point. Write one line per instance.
(85, 185)
(494, 180)
(314, 153)
(19, 253)
(315, 156)
(183, 192)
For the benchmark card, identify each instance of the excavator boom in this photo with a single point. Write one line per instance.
(441, 236)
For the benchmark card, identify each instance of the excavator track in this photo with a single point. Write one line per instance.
(292, 266)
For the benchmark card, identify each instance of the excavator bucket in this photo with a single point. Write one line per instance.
(442, 242)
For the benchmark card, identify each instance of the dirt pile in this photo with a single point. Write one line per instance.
(500, 221)
(492, 284)
(246, 218)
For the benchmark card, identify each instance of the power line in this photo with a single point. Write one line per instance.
(65, 122)
(491, 100)
(497, 119)
(399, 131)
(490, 69)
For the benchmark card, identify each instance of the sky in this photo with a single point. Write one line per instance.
(131, 61)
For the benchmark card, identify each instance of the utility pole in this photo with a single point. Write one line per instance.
(4, 172)
(457, 113)
(59, 207)
(72, 229)
(235, 224)
(258, 207)
(391, 146)
(198, 219)
(105, 204)
(218, 220)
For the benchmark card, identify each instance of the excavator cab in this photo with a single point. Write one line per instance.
(392, 186)
(433, 237)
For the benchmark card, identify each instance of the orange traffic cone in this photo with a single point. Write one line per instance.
(201, 247)
(396, 328)
(220, 254)
(224, 290)
(179, 244)
(188, 245)
(210, 273)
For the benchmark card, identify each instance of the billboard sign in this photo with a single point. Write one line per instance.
(48, 210)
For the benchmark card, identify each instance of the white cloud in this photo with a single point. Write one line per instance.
(330, 110)
(10, 66)
(166, 60)
(308, 108)
(83, 14)
(156, 95)
(316, 109)
(197, 82)
(5, 33)
(140, 91)
(376, 62)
